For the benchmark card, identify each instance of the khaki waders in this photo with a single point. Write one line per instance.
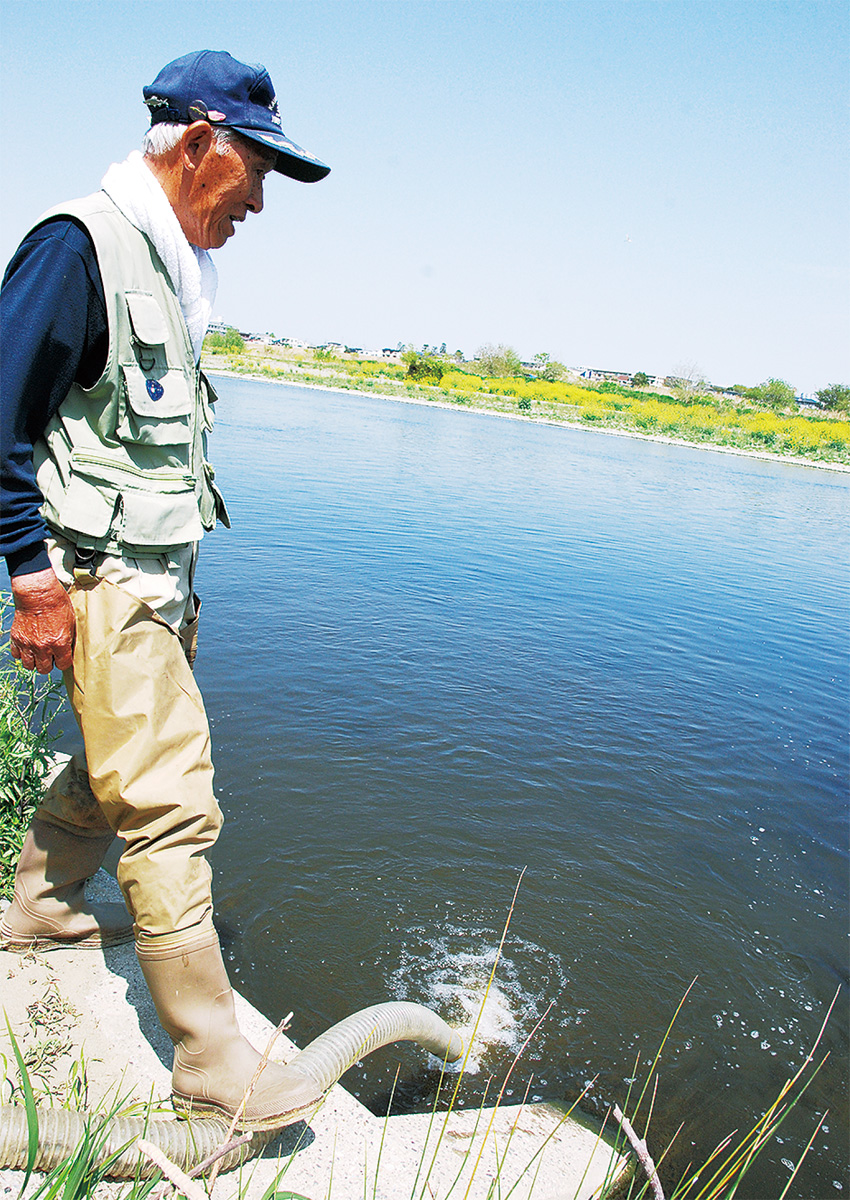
(150, 781)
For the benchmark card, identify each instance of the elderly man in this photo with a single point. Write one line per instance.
(106, 493)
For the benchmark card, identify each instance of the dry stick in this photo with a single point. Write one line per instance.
(261, 1065)
(179, 1178)
(641, 1151)
(222, 1152)
(234, 1144)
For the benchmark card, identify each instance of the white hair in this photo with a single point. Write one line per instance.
(162, 138)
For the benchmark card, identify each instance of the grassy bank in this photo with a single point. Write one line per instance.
(709, 420)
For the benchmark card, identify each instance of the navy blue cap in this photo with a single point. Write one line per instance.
(211, 85)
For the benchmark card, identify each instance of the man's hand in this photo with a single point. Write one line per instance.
(44, 625)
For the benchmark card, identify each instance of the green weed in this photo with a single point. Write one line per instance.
(28, 705)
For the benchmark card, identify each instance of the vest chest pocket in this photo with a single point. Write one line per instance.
(149, 331)
(156, 404)
(156, 409)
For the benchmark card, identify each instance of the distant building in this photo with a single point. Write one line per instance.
(598, 376)
(810, 402)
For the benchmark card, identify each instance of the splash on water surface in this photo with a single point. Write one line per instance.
(452, 974)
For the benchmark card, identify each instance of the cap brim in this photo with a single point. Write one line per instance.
(292, 160)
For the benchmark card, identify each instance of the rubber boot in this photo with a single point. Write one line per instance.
(49, 910)
(214, 1064)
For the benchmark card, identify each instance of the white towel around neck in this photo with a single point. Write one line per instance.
(134, 188)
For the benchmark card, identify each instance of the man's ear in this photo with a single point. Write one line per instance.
(195, 143)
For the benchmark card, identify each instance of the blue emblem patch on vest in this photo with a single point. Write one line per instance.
(155, 389)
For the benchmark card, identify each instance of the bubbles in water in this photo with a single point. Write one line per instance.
(462, 1001)
(451, 976)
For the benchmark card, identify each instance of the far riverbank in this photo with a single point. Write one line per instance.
(494, 406)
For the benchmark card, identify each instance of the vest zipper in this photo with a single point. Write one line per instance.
(83, 457)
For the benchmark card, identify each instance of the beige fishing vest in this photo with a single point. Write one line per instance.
(122, 466)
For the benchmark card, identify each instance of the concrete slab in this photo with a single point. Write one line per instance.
(71, 1006)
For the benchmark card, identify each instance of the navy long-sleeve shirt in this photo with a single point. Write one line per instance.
(53, 333)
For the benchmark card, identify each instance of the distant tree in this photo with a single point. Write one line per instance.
(422, 366)
(640, 379)
(836, 396)
(231, 340)
(499, 362)
(775, 393)
(546, 368)
(687, 383)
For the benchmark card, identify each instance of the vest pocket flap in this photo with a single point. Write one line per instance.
(87, 507)
(147, 318)
(154, 520)
(155, 411)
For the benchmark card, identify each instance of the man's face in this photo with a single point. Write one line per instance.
(227, 185)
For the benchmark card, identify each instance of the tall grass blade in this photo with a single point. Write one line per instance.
(538, 1153)
(803, 1155)
(667, 1033)
(384, 1132)
(29, 1104)
(517, 1057)
(472, 1036)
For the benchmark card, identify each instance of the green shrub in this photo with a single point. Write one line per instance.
(231, 340)
(836, 396)
(426, 368)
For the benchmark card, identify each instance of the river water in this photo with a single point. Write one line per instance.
(439, 649)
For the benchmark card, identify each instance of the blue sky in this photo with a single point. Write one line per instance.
(640, 185)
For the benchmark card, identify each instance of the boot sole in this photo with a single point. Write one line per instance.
(190, 1108)
(40, 942)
